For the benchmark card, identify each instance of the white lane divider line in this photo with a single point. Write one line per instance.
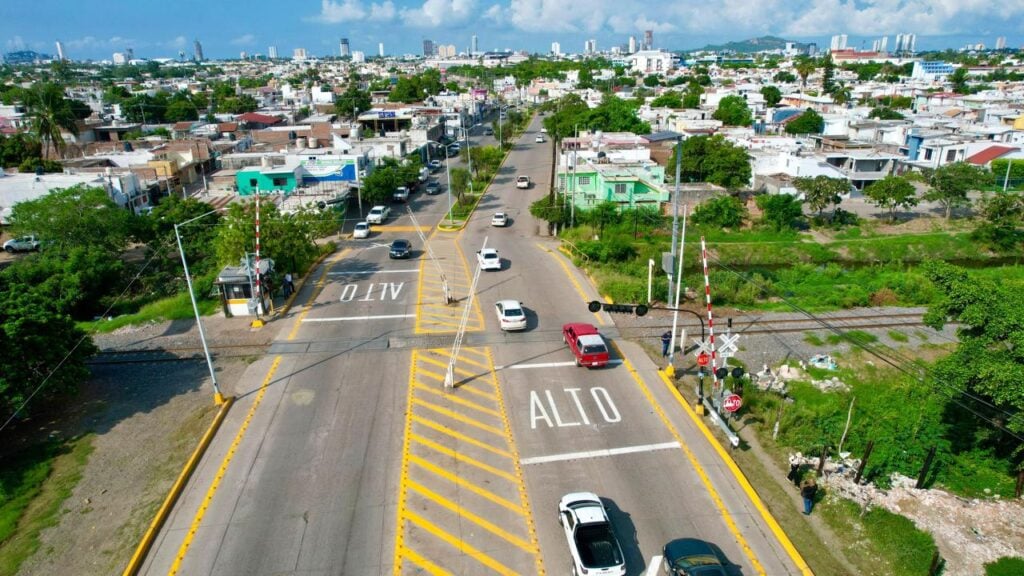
(546, 365)
(357, 318)
(598, 453)
(351, 272)
(652, 568)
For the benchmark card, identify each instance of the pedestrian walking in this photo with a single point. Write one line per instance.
(794, 471)
(289, 287)
(808, 490)
(666, 341)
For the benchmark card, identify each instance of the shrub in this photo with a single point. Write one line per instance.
(723, 211)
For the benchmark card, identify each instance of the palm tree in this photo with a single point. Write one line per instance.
(50, 113)
(804, 68)
(842, 94)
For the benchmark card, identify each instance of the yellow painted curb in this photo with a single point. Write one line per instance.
(175, 492)
(741, 479)
(302, 284)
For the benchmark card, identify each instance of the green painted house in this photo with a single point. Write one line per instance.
(629, 185)
(268, 179)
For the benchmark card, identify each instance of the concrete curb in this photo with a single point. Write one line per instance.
(176, 489)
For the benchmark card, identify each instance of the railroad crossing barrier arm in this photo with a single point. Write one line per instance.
(734, 439)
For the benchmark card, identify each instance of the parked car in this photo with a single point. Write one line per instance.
(433, 188)
(362, 230)
(488, 259)
(22, 244)
(400, 249)
(586, 344)
(401, 194)
(488, 132)
(593, 547)
(378, 214)
(523, 181)
(691, 557)
(511, 315)
(539, 139)
(499, 220)
(434, 165)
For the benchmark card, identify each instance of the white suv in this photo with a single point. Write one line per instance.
(592, 543)
(378, 214)
(523, 182)
(22, 244)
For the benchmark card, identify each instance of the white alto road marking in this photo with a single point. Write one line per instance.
(351, 318)
(545, 365)
(599, 453)
(652, 568)
(349, 273)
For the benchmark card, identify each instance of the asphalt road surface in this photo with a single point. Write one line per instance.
(348, 452)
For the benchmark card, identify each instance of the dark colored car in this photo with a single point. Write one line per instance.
(400, 249)
(691, 557)
(433, 188)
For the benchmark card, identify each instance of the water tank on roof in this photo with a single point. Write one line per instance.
(312, 143)
(265, 161)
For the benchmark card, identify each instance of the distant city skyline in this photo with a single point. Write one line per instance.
(226, 28)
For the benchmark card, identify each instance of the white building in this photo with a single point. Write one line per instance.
(299, 54)
(380, 49)
(632, 44)
(358, 57)
(120, 59)
(473, 45)
(61, 57)
(651, 61)
(838, 42)
(272, 52)
(556, 48)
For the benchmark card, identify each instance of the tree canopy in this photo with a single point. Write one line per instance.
(722, 212)
(670, 99)
(613, 115)
(733, 111)
(772, 95)
(712, 159)
(892, 192)
(809, 122)
(949, 185)
(780, 211)
(821, 192)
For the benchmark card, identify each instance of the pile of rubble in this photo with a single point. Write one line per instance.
(969, 532)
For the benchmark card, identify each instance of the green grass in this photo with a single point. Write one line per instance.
(853, 337)
(34, 486)
(879, 542)
(897, 336)
(1005, 567)
(813, 339)
(175, 307)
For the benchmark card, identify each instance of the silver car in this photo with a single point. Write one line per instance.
(511, 315)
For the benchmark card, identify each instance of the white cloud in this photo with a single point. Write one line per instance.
(16, 43)
(244, 40)
(178, 42)
(545, 15)
(382, 12)
(332, 12)
(434, 13)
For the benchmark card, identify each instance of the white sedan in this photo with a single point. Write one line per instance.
(539, 139)
(362, 230)
(510, 315)
(500, 220)
(488, 259)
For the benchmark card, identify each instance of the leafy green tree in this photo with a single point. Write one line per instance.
(721, 212)
(885, 113)
(459, 183)
(958, 80)
(892, 192)
(1004, 215)
(780, 211)
(238, 104)
(949, 185)
(652, 81)
(406, 90)
(733, 111)
(772, 95)
(76, 216)
(550, 209)
(352, 102)
(380, 184)
(828, 74)
(78, 280)
(841, 94)
(180, 111)
(712, 159)
(691, 99)
(987, 367)
(804, 67)
(820, 192)
(809, 122)
(785, 77)
(50, 114)
(601, 215)
(668, 100)
(18, 148)
(50, 348)
(288, 239)
(165, 274)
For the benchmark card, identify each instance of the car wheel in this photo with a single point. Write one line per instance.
(9, 249)
(577, 360)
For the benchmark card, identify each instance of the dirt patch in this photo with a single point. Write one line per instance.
(147, 418)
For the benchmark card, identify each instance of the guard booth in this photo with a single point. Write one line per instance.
(237, 287)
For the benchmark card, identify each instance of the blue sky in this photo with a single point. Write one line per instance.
(94, 29)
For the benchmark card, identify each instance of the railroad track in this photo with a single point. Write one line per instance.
(177, 354)
(792, 325)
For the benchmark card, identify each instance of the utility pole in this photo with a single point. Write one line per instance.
(675, 209)
(449, 377)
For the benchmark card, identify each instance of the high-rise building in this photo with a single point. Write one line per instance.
(838, 42)
(883, 44)
(119, 59)
(556, 48)
(380, 49)
(272, 52)
(473, 44)
(299, 54)
(1000, 45)
(61, 57)
(648, 39)
(358, 57)
(344, 48)
(632, 44)
(428, 48)
(910, 43)
(197, 51)
(590, 46)
(129, 53)
(243, 55)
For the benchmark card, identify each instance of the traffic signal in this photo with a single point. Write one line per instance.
(638, 309)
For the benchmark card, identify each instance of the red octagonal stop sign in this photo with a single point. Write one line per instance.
(703, 359)
(732, 403)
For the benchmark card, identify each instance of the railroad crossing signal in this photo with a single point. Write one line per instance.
(732, 403)
(597, 305)
(703, 358)
(703, 347)
(728, 347)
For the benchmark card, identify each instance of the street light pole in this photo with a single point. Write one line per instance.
(675, 209)
(218, 398)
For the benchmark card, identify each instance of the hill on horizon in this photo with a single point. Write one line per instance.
(751, 45)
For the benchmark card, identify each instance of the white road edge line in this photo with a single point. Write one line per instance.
(652, 568)
(349, 273)
(598, 453)
(350, 318)
(546, 365)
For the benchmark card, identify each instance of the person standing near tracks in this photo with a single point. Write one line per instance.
(808, 490)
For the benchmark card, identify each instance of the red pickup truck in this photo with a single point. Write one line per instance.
(587, 346)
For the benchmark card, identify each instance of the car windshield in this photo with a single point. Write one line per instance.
(694, 561)
(490, 256)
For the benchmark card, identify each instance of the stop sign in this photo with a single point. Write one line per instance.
(732, 403)
(703, 359)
